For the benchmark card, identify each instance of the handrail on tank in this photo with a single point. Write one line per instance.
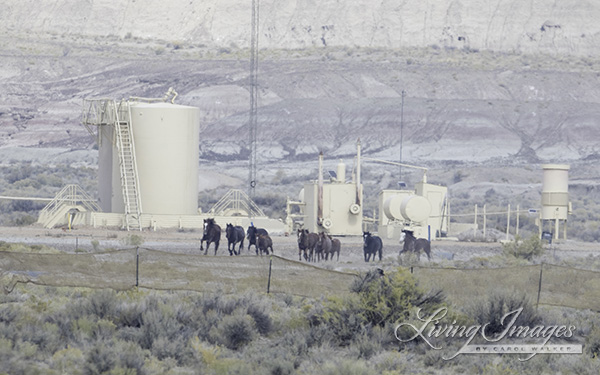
(171, 93)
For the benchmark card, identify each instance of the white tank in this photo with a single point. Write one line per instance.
(166, 140)
(415, 208)
(555, 191)
(341, 172)
(391, 207)
(411, 207)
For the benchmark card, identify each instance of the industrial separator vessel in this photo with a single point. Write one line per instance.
(336, 206)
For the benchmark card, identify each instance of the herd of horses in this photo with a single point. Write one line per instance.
(236, 235)
(313, 247)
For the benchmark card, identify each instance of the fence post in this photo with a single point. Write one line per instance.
(137, 266)
(537, 305)
(76, 244)
(269, 282)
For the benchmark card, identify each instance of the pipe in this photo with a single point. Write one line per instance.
(320, 192)
(358, 189)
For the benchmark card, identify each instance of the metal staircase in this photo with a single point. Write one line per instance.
(70, 197)
(128, 167)
(99, 113)
(236, 203)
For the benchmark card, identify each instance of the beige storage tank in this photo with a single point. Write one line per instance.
(415, 208)
(166, 139)
(555, 192)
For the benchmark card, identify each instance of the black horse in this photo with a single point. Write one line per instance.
(234, 234)
(252, 233)
(412, 244)
(323, 247)
(264, 243)
(212, 234)
(372, 245)
(336, 246)
(306, 243)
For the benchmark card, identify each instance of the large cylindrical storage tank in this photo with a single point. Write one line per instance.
(166, 138)
(555, 191)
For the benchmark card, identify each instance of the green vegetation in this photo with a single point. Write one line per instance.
(131, 240)
(82, 331)
(22, 179)
(526, 249)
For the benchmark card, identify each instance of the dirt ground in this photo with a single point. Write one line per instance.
(445, 252)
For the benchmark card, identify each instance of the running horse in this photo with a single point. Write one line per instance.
(372, 245)
(415, 245)
(306, 243)
(234, 234)
(212, 234)
(252, 234)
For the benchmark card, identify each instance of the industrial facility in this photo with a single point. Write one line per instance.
(148, 178)
(148, 172)
(336, 207)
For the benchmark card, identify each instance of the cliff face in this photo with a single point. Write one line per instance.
(483, 80)
(524, 26)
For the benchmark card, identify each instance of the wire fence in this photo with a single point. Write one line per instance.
(154, 269)
(548, 284)
(160, 270)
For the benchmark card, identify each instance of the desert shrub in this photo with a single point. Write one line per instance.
(592, 343)
(526, 249)
(132, 240)
(262, 320)
(23, 220)
(235, 331)
(363, 347)
(102, 303)
(279, 366)
(8, 314)
(95, 245)
(490, 311)
(100, 359)
(377, 299)
(346, 367)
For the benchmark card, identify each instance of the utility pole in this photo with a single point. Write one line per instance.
(252, 123)
(401, 135)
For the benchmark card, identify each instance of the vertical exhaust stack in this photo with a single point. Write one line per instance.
(320, 197)
(358, 188)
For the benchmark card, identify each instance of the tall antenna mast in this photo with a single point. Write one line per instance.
(401, 136)
(253, 99)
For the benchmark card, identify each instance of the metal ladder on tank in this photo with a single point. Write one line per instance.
(128, 166)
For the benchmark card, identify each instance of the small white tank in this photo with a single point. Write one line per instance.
(555, 191)
(341, 172)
